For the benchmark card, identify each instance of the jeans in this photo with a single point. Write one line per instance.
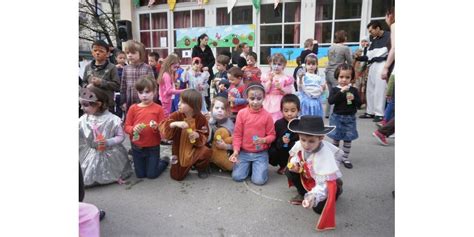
(390, 110)
(259, 166)
(147, 162)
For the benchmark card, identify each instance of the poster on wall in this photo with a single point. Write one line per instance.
(292, 53)
(219, 36)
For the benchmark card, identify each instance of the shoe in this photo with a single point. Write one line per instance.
(380, 138)
(130, 152)
(297, 200)
(378, 119)
(166, 143)
(101, 215)
(347, 164)
(203, 174)
(282, 170)
(381, 123)
(392, 136)
(366, 115)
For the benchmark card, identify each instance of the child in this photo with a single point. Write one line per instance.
(142, 126)
(102, 156)
(132, 72)
(236, 91)
(253, 134)
(166, 83)
(346, 101)
(290, 106)
(295, 72)
(101, 73)
(180, 84)
(251, 72)
(310, 46)
(153, 58)
(313, 169)
(188, 128)
(120, 58)
(222, 61)
(276, 85)
(311, 86)
(222, 128)
(198, 80)
(360, 68)
(223, 88)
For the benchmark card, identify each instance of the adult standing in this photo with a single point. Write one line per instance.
(338, 54)
(242, 60)
(377, 57)
(204, 52)
(310, 46)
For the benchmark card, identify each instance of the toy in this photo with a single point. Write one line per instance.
(190, 130)
(255, 138)
(136, 135)
(287, 135)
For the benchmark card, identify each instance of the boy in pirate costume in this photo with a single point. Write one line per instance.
(313, 169)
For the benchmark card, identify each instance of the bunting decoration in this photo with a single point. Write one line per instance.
(256, 4)
(171, 4)
(150, 2)
(230, 5)
(136, 3)
(276, 4)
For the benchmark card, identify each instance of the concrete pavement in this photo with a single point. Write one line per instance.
(219, 206)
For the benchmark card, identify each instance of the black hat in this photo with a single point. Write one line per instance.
(225, 82)
(310, 125)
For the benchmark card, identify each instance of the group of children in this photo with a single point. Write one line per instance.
(253, 121)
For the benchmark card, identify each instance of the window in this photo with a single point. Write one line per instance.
(335, 15)
(379, 8)
(153, 28)
(241, 15)
(279, 28)
(186, 19)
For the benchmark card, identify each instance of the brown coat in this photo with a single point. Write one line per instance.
(189, 154)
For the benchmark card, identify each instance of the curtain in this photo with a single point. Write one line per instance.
(296, 37)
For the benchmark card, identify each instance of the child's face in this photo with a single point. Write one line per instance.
(311, 67)
(197, 66)
(250, 60)
(218, 111)
(290, 111)
(234, 80)
(184, 108)
(146, 96)
(222, 87)
(174, 67)
(151, 61)
(278, 67)
(220, 67)
(90, 108)
(345, 77)
(133, 58)
(364, 43)
(100, 53)
(309, 142)
(120, 59)
(255, 99)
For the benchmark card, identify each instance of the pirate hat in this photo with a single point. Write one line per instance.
(309, 125)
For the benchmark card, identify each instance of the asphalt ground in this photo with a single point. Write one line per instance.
(219, 206)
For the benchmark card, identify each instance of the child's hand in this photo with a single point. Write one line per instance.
(231, 99)
(101, 142)
(259, 141)
(96, 81)
(286, 139)
(345, 88)
(221, 145)
(179, 124)
(124, 107)
(208, 116)
(153, 124)
(234, 157)
(193, 136)
(205, 69)
(294, 167)
(308, 201)
(323, 87)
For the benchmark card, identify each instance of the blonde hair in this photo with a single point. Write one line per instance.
(278, 57)
(135, 46)
(308, 43)
(166, 67)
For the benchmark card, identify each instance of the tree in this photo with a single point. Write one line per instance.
(98, 19)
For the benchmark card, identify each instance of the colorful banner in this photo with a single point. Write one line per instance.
(292, 53)
(219, 36)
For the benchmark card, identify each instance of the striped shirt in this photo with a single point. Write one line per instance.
(130, 75)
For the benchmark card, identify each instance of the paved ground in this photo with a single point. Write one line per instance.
(218, 206)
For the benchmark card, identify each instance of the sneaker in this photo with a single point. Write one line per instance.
(366, 115)
(392, 136)
(380, 138)
(347, 164)
(378, 119)
(297, 200)
(282, 170)
(166, 142)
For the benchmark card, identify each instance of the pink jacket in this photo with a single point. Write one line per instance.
(167, 90)
(250, 123)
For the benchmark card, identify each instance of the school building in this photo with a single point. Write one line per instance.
(286, 26)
